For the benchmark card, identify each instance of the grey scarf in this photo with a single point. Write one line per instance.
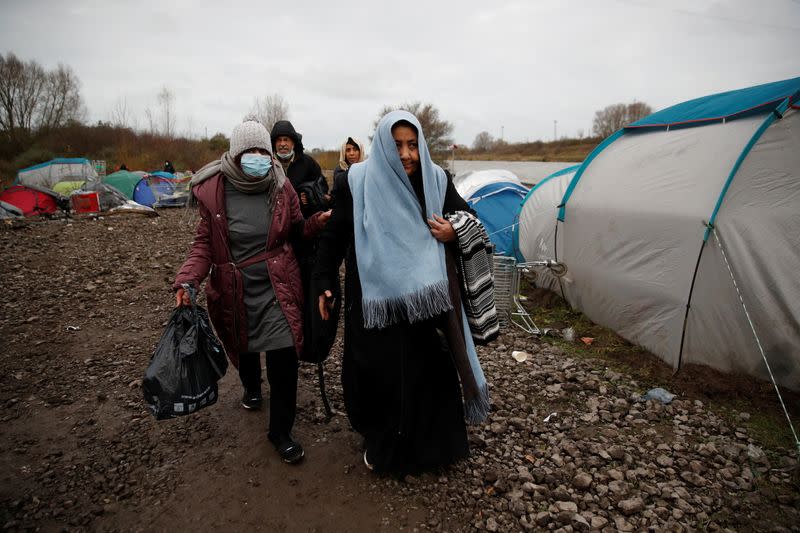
(269, 184)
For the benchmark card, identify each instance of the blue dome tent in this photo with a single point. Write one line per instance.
(495, 195)
(150, 189)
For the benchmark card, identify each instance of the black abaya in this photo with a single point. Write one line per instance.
(401, 387)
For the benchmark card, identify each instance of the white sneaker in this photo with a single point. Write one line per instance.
(369, 466)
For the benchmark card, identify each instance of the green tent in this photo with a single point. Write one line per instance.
(124, 181)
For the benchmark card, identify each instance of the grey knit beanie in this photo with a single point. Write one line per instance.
(249, 134)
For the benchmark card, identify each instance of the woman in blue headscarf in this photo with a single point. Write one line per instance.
(407, 343)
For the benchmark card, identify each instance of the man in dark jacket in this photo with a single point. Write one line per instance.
(306, 177)
(300, 168)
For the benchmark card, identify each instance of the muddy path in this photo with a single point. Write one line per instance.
(84, 303)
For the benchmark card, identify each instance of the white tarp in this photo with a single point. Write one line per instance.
(467, 184)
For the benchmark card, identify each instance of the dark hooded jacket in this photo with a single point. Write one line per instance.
(303, 170)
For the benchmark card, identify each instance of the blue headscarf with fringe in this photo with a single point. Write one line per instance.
(401, 265)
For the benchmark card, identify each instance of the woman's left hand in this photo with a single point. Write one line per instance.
(441, 229)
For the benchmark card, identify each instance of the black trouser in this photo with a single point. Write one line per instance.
(282, 377)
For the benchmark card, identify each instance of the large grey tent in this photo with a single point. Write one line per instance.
(55, 171)
(682, 232)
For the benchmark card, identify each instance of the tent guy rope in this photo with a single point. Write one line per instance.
(755, 335)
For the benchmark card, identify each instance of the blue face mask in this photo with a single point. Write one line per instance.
(256, 165)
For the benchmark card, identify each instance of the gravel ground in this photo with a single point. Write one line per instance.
(569, 446)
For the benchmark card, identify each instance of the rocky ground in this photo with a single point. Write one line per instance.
(569, 445)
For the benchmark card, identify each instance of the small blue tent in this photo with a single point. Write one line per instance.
(151, 189)
(495, 195)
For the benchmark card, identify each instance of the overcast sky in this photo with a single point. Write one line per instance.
(510, 68)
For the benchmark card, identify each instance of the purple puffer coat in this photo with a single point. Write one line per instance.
(210, 252)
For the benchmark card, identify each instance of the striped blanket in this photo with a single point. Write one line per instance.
(477, 280)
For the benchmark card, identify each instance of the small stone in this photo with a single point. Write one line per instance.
(570, 507)
(622, 524)
(664, 461)
(580, 523)
(497, 428)
(631, 506)
(616, 452)
(490, 476)
(582, 481)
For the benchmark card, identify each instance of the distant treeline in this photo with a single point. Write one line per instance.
(115, 145)
(147, 151)
(564, 149)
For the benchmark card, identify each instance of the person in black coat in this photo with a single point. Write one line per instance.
(403, 355)
(305, 175)
(301, 169)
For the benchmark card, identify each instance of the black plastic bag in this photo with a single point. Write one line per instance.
(186, 364)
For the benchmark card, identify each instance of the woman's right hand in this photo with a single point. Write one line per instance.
(182, 298)
(326, 302)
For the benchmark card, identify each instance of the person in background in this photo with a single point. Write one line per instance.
(306, 177)
(249, 213)
(351, 152)
(299, 167)
(123, 166)
(407, 344)
(168, 167)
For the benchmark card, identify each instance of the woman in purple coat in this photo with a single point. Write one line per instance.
(249, 219)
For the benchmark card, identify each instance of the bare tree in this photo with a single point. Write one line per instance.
(638, 110)
(270, 109)
(61, 100)
(152, 128)
(32, 99)
(121, 115)
(436, 130)
(483, 142)
(29, 93)
(21, 85)
(189, 132)
(165, 101)
(616, 116)
(11, 69)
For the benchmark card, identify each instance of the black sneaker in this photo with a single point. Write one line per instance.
(252, 400)
(290, 450)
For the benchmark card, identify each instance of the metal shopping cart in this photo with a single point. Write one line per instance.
(506, 290)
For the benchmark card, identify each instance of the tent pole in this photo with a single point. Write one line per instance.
(689, 303)
(555, 257)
